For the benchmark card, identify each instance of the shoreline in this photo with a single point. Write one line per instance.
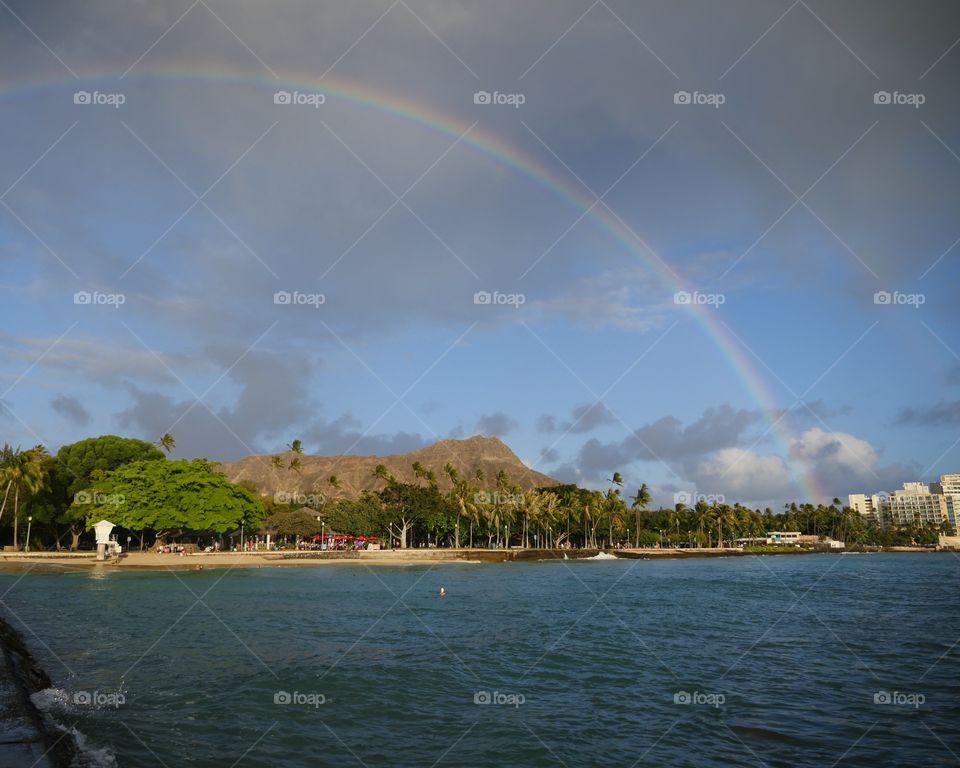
(150, 561)
(26, 738)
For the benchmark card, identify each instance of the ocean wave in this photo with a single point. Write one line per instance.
(56, 701)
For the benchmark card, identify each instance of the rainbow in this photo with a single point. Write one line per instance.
(489, 144)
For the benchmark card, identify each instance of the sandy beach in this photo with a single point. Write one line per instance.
(149, 560)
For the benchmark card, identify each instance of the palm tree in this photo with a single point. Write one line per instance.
(334, 482)
(640, 501)
(702, 514)
(167, 442)
(457, 494)
(7, 459)
(295, 465)
(296, 446)
(277, 462)
(26, 474)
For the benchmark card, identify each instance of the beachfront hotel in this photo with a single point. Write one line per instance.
(915, 504)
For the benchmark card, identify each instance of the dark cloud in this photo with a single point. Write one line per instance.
(549, 455)
(344, 435)
(668, 440)
(583, 418)
(587, 417)
(547, 423)
(497, 424)
(943, 414)
(818, 408)
(72, 409)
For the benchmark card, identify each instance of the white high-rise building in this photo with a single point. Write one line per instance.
(950, 488)
(916, 504)
(862, 504)
(913, 505)
(950, 485)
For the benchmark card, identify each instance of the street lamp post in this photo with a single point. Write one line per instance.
(29, 523)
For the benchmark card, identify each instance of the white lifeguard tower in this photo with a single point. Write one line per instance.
(105, 544)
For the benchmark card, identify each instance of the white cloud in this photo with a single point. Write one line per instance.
(740, 474)
(816, 446)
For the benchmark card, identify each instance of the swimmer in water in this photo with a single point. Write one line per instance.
(443, 592)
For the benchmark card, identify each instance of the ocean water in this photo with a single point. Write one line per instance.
(817, 660)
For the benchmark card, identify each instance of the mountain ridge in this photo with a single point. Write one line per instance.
(355, 473)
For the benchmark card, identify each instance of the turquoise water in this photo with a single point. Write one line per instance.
(782, 658)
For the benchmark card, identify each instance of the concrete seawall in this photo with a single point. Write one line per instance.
(25, 740)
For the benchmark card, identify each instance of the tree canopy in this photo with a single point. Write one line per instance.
(78, 462)
(164, 495)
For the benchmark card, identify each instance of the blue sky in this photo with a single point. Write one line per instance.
(787, 207)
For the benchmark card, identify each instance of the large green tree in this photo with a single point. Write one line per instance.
(76, 468)
(168, 495)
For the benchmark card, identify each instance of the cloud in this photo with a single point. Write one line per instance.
(549, 455)
(71, 409)
(588, 417)
(344, 435)
(611, 299)
(841, 463)
(834, 454)
(583, 418)
(817, 410)
(667, 440)
(741, 474)
(547, 423)
(96, 360)
(943, 414)
(497, 424)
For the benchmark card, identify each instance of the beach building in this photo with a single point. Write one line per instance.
(916, 504)
(913, 505)
(865, 505)
(785, 538)
(950, 485)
